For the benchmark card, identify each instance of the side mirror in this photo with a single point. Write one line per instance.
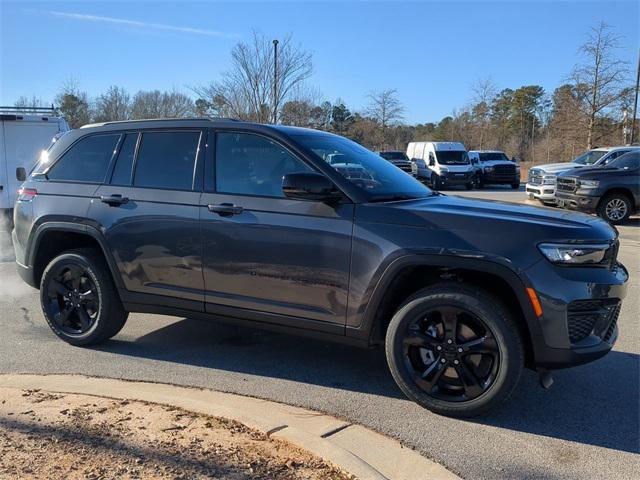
(21, 174)
(310, 186)
(432, 162)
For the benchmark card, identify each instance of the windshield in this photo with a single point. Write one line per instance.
(491, 156)
(452, 157)
(394, 156)
(368, 171)
(590, 157)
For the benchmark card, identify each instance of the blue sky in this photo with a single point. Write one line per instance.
(431, 52)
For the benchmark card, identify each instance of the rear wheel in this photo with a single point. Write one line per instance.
(79, 299)
(615, 208)
(454, 350)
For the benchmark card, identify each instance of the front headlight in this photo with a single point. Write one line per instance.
(549, 180)
(444, 169)
(574, 254)
(488, 169)
(587, 184)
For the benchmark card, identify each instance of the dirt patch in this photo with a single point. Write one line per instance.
(55, 436)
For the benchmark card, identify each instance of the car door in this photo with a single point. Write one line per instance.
(148, 212)
(285, 260)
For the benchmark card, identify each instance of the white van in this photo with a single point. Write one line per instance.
(24, 133)
(441, 164)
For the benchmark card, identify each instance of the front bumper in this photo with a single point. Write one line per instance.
(546, 193)
(573, 201)
(580, 308)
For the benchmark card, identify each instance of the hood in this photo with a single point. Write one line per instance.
(555, 168)
(481, 227)
(493, 163)
(400, 162)
(591, 172)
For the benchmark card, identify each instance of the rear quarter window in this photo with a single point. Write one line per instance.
(86, 161)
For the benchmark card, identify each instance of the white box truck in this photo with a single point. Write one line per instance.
(24, 133)
(441, 164)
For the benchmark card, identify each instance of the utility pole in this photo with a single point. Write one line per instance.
(635, 104)
(275, 82)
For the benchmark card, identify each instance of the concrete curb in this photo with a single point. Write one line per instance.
(355, 449)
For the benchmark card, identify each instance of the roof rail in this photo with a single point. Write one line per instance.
(189, 119)
(29, 110)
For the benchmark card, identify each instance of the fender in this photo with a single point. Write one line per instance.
(61, 226)
(517, 280)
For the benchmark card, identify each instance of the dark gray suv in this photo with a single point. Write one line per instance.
(307, 232)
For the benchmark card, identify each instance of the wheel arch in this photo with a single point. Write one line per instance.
(52, 238)
(619, 190)
(410, 273)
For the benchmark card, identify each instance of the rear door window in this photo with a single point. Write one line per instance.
(167, 160)
(86, 161)
(122, 171)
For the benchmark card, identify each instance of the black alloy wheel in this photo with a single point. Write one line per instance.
(72, 299)
(451, 354)
(79, 299)
(455, 349)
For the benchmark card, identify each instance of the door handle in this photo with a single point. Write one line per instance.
(114, 200)
(225, 209)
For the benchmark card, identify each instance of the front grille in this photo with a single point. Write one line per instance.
(504, 169)
(592, 317)
(566, 184)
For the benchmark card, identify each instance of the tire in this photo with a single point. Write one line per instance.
(479, 183)
(436, 182)
(449, 395)
(615, 208)
(79, 281)
(515, 186)
(469, 186)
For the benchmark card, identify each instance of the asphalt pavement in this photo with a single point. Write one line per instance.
(586, 426)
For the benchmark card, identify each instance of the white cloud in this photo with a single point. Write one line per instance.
(137, 24)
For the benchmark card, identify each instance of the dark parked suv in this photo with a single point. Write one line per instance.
(256, 225)
(612, 191)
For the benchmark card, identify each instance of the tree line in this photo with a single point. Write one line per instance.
(527, 122)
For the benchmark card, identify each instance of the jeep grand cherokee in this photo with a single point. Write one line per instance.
(308, 232)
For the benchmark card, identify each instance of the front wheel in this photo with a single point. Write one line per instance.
(615, 208)
(469, 186)
(79, 299)
(515, 186)
(454, 350)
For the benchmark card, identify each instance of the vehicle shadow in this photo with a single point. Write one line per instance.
(594, 404)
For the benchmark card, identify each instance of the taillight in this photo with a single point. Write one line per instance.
(26, 194)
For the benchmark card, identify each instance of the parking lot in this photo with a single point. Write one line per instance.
(585, 426)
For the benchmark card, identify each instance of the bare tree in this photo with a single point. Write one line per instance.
(157, 104)
(26, 102)
(113, 105)
(484, 91)
(73, 103)
(246, 90)
(386, 109)
(602, 76)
